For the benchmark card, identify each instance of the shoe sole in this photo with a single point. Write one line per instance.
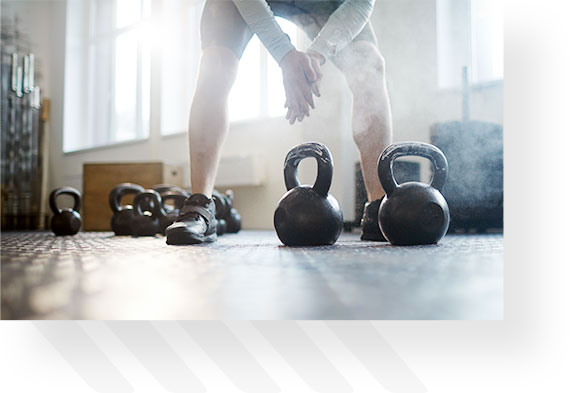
(185, 238)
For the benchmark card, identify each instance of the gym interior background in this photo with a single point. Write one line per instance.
(116, 79)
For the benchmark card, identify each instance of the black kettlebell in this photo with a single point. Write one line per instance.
(232, 218)
(223, 206)
(305, 215)
(233, 221)
(123, 214)
(65, 221)
(229, 220)
(147, 222)
(413, 213)
(221, 226)
(170, 211)
(162, 188)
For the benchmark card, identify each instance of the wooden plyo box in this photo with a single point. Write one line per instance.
(100, 178)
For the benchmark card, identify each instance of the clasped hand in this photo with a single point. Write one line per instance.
(301, 79)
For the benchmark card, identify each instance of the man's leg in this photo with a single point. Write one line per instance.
(208, 125)
(207, 131)
(224, 36)
(364, 69)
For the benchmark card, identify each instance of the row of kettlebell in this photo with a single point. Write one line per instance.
(411, 213)
(150, 214)
(126, 220)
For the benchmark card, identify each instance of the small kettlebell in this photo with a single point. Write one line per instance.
(305, 215)
(65, 221)
(413, 213)
(233, 221)
(147, 222)
(223, 207)
(161, 188)
(229, 220)
(221, 226)
(123, 214)
(171, 212)
(222, 204)
(233, 218)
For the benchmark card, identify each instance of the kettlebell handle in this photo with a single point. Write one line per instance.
(156, 206)
(162, 188)
(324, 166)
(175, 196)
(389, 155)
(64, 191)
(119, 192)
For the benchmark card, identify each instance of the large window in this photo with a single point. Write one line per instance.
(108, 71)
(107, 87)
(469, 34)
(179, 35)
(257, 92)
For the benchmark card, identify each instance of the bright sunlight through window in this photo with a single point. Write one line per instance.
(469, 33)
(258, 90)
(107, 86)
(108, 70)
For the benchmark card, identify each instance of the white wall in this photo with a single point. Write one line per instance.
(406, 32)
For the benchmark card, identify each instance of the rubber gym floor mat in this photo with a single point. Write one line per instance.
(249, 275)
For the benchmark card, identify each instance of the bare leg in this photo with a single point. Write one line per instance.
(364, 70)
(209, 124)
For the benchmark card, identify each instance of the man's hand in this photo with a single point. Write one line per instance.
(317, 60)
(301, 74)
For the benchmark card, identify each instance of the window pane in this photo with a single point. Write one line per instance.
(469, 33)
(126, 69)
(453, 41)
(276, 93)
(487, 40)
(144, 95)
(107, 73)
(180, 47)
(98, 125)
(127, 12)
(101, 17)
(244, 97)
(259, 76)
(146, 8)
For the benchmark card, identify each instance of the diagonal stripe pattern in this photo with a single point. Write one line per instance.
(157, 356)
(85, 356)
(374, 352)
(292, 344)
(297, 348)
(231, 356)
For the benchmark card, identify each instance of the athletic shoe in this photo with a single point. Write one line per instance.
(369, 223)
(196, 222)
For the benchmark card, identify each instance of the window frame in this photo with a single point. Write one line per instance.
(89, 66)
(263, 111)
(471, 54)
(106, 136)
